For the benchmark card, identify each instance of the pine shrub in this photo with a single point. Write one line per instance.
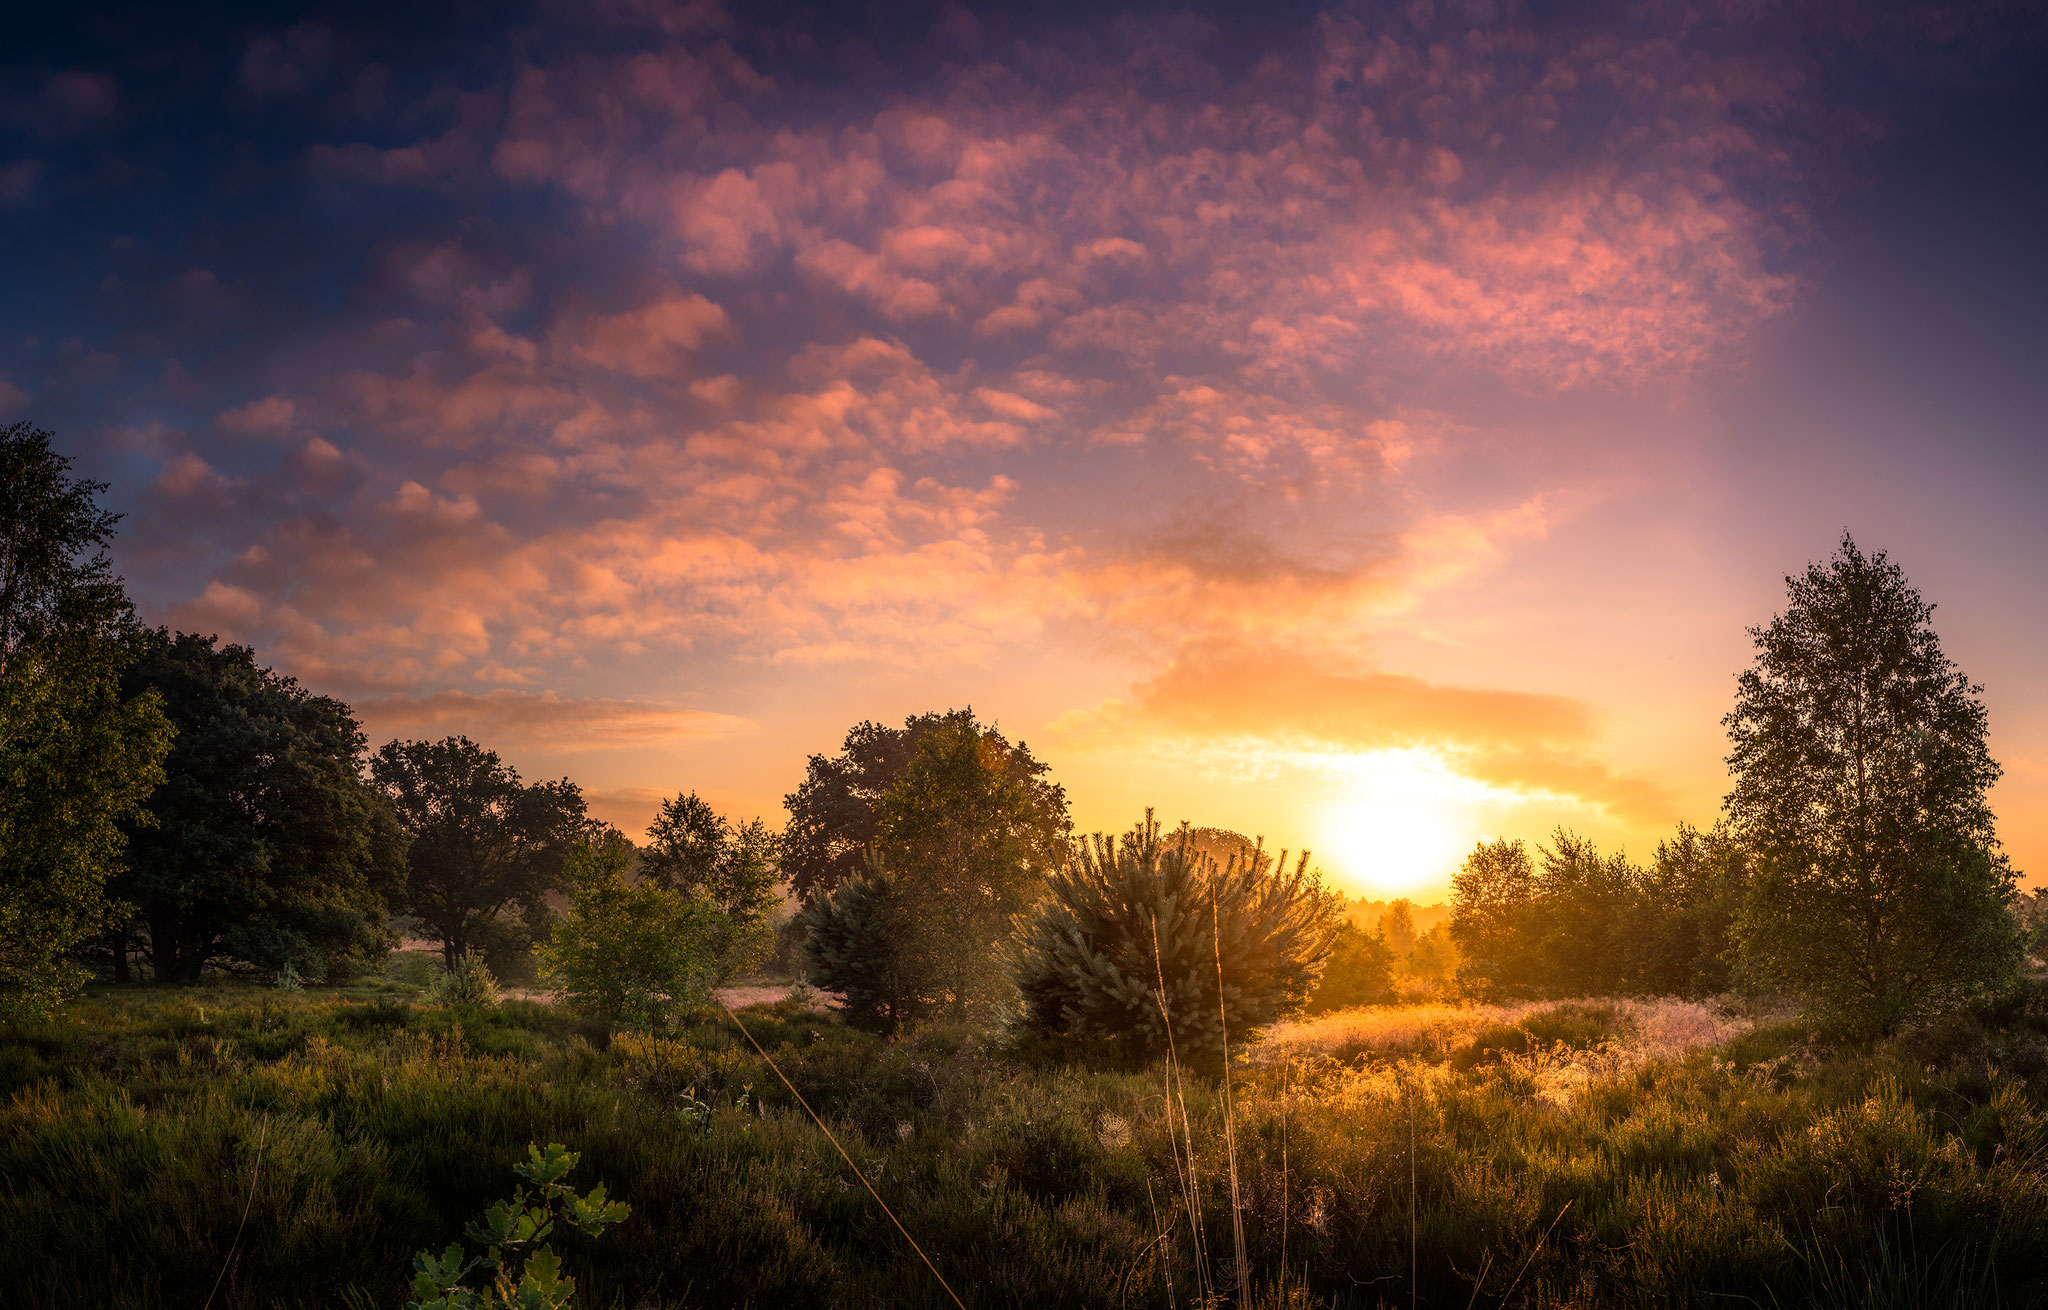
(1134, 932)
(857, 942)
(470, 982)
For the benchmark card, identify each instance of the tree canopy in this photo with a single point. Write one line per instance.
(484, 848)
(834, 813)
(77, 757)
(959, 848)
(731, 866)
(1861, 770)
(264, 846)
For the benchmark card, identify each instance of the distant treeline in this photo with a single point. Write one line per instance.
(171, 805)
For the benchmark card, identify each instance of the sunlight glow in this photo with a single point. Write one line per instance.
(1401, 825)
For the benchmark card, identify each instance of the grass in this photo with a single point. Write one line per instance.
(1591, 1153)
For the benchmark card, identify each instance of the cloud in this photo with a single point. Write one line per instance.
(1216, 698)
(544, 720)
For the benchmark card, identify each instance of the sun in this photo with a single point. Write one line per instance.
(1400, 826)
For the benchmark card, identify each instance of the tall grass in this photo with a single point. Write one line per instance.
(1760, 1169)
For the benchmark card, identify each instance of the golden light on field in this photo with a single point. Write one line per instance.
(1400, 826)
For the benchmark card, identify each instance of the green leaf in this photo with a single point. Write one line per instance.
(544, 1169)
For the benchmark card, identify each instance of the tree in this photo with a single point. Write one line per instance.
(964, 839)
(1124, 952)
(1492, 898)
(76, 757)
(483, 847)
(632, 954)
(857, 941)
(56, 581)
(694, 850)
(1359, 971)
(1698, 879)
(1877, 889)
(264, 847)
(833, 814)
(1397, 926)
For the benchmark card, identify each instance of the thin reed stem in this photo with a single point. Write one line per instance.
(255, 1172)
(1176, 1085)
(843, 1155)
(1244, 1272)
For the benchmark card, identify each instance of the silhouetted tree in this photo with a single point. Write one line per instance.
(1697, 883)
(1397, 926)
(1877, 890)
(485, 848)
(76, 756)
(1574, 922)
(833, 814)
(264, 846)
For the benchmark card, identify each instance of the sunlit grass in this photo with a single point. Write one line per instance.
(1584, 1153)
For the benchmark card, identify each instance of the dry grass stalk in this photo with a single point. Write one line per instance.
(844, 1156)
(1190, 1185)
(1239, 1258)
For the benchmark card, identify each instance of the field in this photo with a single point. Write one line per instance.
(261, 1148)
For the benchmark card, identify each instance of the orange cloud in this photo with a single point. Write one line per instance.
(524, 719)
(1216, 698)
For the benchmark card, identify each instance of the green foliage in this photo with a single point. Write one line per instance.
(1765, 1173)
(632, 955)
(1133, 932)
(1359, 971)
(263, 846)
(834, 816)
(56, 581)
(485, 848)
(964, 844)
(957, 854)
(1877, 889)
(857, 942)
(76, 761)
(414, 968)
(470, 982)
(1572, 922)
(694, 850)
(77, 757)
(523, 1270)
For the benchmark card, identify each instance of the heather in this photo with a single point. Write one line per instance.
(1571, 1153)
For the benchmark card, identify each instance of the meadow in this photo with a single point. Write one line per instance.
(249, 1147)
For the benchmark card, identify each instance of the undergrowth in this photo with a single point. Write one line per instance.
(357, 1127)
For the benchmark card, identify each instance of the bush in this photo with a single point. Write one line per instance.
(413, 968)
(470, 982)
(1126, 950)
(521, 1268)
(854, 943)
(630, 955)
(1360, 971)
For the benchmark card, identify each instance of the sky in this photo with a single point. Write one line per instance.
(1372, 427)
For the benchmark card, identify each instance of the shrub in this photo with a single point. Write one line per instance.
(1134, 933)
(631, 955)
(523, 1269)
(1360, 971)
(855, 943)
(470, 982)
(413, 968)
